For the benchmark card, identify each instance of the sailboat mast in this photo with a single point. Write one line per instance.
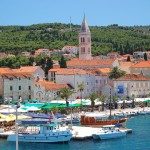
(110, 103)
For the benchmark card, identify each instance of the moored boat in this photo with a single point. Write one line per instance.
(44, 133)
(50, 133)
(95, 120)
(108, 132)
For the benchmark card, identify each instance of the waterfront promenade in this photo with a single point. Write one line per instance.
(81, 132)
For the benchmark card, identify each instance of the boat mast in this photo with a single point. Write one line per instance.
(110, 104)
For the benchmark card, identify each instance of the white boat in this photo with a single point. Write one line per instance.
(50, 133)
(46, 133)
(108, 132)
(119, 114)
(133, 113)
(142, 112)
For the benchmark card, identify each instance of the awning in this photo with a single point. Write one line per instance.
(49, 106)
(70, 105)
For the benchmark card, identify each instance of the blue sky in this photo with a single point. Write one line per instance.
(98, 12)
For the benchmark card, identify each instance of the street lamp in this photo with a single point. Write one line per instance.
(16, 127)
(81, 90)
(71, 112)
(16, 124)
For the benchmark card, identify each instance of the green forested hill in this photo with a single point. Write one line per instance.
(14, 39)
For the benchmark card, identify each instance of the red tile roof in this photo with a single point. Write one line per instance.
(71, 71)
(56, 69)
(28, 69)
(133, 77)
(56, 87)
(142, 64)
(5, 70)
(44, 83)
(99, 62)
(50, 86)
(99, 71)
(16, 75)
(126, 55)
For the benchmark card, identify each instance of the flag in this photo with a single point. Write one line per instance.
(50, 117)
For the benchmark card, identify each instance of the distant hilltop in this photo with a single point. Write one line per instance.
(122, 39)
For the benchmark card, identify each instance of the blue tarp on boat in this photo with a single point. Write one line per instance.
(31, 122)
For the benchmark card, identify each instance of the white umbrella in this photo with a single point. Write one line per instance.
(7, 110)
(33, 108)
(22, 110)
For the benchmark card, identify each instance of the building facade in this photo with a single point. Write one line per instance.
(141, 67)
(16, 85)
(36, 71)
(132, 84)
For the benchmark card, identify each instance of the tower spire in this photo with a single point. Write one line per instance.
(84, 26)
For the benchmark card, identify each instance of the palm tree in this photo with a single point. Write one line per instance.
(124, 98)
(92, 97)
(116, 73)
(102, 98)
(65, 93)
(115, 99)
(133, 96)
(81, 88)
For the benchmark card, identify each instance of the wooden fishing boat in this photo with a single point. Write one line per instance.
(100, 120)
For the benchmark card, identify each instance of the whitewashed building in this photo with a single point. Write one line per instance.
(132, 84)
(47, 91)
(16, 85)
(93, 79)
(36, 71)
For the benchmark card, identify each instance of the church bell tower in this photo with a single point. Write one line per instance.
(84, 41)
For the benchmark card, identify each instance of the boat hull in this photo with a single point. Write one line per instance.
(104, 136)
(40, 138)
(85, 120)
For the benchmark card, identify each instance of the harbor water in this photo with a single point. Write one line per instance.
(138, 140)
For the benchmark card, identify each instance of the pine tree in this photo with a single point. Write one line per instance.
(49, 65)
(128, 58)
(62, 62)
(145, 56)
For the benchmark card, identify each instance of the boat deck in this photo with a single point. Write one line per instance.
(82, 133)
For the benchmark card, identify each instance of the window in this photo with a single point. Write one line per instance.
(10, 78)
(19, 87)
(11, 88)
(83, 39)
(82, 50)
(29, 96)
(29, 87)
(88, 50)
(29, 78)
(19, 78)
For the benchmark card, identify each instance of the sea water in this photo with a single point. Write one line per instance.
(139, 139)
